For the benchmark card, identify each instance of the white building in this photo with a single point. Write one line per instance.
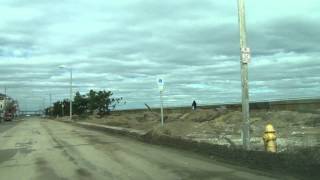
(8, 99)
(2, 96)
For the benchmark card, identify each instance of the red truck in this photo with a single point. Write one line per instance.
(8, 116)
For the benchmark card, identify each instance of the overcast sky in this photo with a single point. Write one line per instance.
(124, 45)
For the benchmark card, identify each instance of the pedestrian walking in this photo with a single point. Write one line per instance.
(194, 105)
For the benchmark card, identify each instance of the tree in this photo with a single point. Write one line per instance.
(61, 108)
(66, 107)
(80, 104)
(104, 101)
(57, 109)
(101, 101)
(92, 100)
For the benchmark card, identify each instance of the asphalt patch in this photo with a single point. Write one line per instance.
(45, 172)
(205, 175)
(83, 172)
(25, 150)
(7, 154)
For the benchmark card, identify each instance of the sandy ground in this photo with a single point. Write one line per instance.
(222, 126)
(40, 149)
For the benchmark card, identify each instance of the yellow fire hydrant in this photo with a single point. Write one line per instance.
(269, 139)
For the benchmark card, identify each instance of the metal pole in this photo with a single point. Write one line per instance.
(4, 103)
(70, 94)
(43, 105)
(62, 107)
(5, 99)
(161, 101)
(244, 77)
(50, 99)
(50, 103)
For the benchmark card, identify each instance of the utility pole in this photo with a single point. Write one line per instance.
(70, 101)
(245, 57)
(50, 103)
(50, 99)
(5, 98)
(70, 94)
(43, 105)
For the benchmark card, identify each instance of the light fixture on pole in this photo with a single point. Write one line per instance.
(69, 69)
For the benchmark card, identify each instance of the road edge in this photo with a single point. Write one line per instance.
(300, 164)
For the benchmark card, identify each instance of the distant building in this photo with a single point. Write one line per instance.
(8, 100)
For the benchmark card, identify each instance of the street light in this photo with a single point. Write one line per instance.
(69, 69)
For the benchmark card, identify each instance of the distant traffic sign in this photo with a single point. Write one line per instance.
(160, 84)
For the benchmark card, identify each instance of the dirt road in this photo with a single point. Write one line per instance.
(40, 149)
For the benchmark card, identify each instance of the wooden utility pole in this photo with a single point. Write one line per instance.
(245, 57)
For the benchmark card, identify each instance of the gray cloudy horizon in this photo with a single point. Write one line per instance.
(123, 46)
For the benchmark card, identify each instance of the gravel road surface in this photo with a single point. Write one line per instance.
(39, 149)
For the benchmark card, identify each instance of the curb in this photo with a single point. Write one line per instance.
(138, 134)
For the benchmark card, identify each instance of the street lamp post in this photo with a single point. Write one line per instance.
(70, 94)
(50, 104)
(70, 69)
(245, 58)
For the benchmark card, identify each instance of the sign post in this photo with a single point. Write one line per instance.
(161, 88)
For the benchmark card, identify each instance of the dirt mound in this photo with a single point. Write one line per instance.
(118, 123)
(202, 115)
(176, 128)
(293, 128)
(174, 117)
(147, 116)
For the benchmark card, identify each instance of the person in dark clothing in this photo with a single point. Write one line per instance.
(194, 105)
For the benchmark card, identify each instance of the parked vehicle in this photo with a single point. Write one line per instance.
(8, 116)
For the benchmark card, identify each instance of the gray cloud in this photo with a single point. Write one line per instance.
(124, 46)
(289, 34)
